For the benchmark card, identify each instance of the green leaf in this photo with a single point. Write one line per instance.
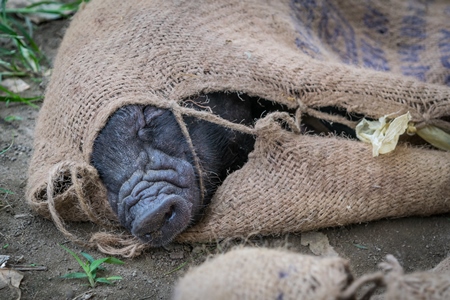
(75, 275)
(87, 256)
(4, 51)
(359, 246)
(29, 58)
(85, 266)
(115, 278)
(12, 118)
(176, 269)
(3, 10)
(7, 148)
(60, 9)
(113, 260)
(8, 30)
(103, 280)
(91, 260)
(96, 263)
(5, 191)
(25, 35)
(13, 97)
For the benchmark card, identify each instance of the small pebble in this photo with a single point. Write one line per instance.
(70, 294)
(197, 250)
(176, 255)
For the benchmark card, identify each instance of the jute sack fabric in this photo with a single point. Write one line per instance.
(431, 285)
(261, 273)
(372, 59)
(265, 274)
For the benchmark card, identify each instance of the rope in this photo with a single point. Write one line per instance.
(176, 111)
(54, 173)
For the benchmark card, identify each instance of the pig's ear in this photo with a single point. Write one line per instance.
(151, 117)
(126, 122)
(151, 113)
(116, 151)
(162, 132)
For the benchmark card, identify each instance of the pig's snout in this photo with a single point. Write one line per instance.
(163, 220)
(159, 204)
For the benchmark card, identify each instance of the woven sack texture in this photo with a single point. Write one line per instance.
(371, 58)
(261, 273)
(265, 274)
(430, 285)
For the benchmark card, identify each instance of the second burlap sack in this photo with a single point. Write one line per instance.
(261, 273)
(265, 274)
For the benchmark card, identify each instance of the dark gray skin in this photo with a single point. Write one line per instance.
(148, 169)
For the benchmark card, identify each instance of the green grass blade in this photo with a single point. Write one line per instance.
(103, 280)
(22, 100)
(88, 257)
(13, 97)
(91, 260)
(74, 275)
(5, 191)
(176, 269)
(26, 35)
(6, 52)
(3, 5)
(28, 57)
(70, 5)
(85, 266)
(58, 9)
(96, 263)
(12, 118)
(12, 74)
(7, 30)
(29, 27)
(115, 278)
(7, 148)
(113, 260)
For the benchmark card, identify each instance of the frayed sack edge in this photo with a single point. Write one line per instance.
(73, 191)
(317, 278)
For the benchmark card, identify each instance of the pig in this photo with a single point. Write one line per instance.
(148, 169)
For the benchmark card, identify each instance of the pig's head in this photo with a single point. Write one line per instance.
(144, 161)
(146, 164)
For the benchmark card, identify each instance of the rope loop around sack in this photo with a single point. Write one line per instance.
(178, 116)
(210, 117)
(444, 125)
(180, 111)
(281, 118)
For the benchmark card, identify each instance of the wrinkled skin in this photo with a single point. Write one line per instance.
(148, 169)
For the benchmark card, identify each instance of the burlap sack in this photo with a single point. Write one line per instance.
(277, 274)
(373, 59)
(443, 266)
(265, 274)
(429, 285)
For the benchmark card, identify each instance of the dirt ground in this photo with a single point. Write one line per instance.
(418, 243)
